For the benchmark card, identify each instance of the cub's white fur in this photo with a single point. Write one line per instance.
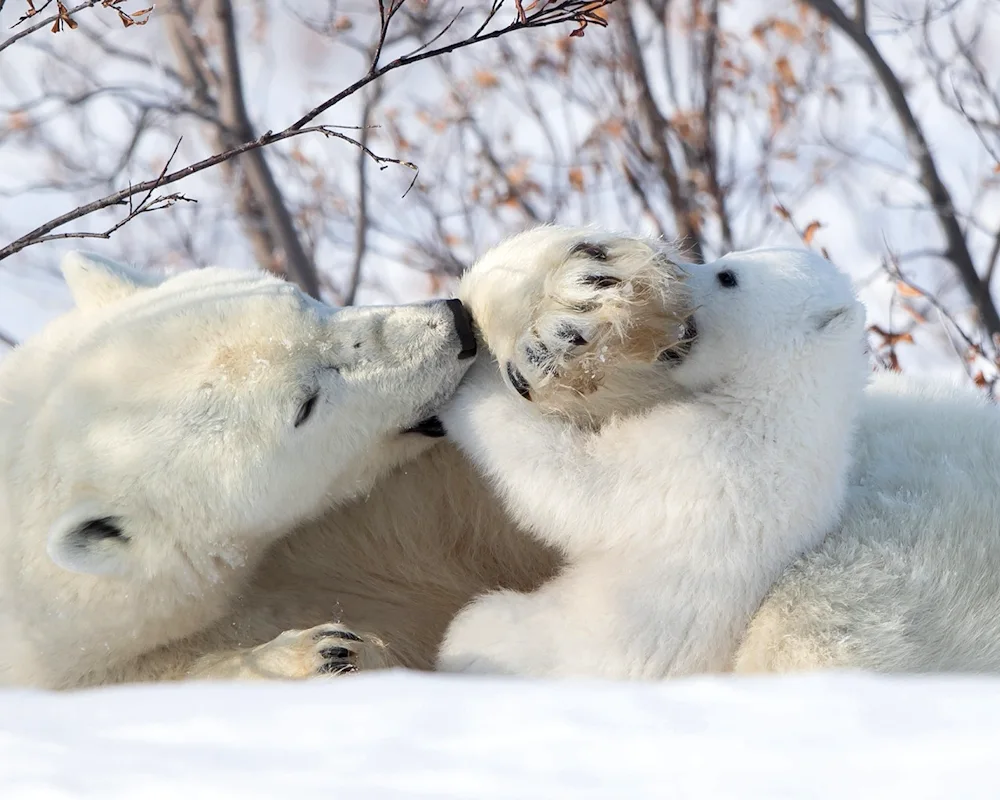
(674, 521)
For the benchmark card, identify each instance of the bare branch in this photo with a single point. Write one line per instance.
(117, 198)
(5, 337)
(658, 130)
(236, 121)
(361, 220)
(956, 249)
(44, 23)
(548, 14)
(709, 144)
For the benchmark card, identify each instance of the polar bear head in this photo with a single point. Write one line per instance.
(176, 424)
(766, 320)
(590, 323)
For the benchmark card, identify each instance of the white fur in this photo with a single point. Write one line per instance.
(675, 521)
(911, 579)
(165, 411)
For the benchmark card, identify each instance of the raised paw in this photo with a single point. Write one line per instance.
(567, 312)
(329, 649)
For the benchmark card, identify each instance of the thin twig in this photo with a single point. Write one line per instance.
(121, 196)
(540, 19)
(44, 23)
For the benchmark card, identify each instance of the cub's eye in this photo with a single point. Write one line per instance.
(727, 279)
(598, 252)
(306, 410)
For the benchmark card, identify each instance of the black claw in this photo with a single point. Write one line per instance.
(337, 634)
(336, 668)
(335, 652)
(538, 354)
(571, 335)
(518, 381)
(598, 252)
(601, 281)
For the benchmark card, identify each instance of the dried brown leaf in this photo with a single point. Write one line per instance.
(810, 231)
(890, 339)
(485, 79)
(785, 72)
(789, 30)
(19, 121)
(905, 290)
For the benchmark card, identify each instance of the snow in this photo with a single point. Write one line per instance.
(401, 734)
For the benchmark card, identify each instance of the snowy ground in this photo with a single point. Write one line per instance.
(395, 735)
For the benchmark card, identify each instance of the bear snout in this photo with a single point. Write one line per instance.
(463, 327)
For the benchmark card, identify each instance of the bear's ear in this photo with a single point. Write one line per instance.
(96, 282)
(86, 541)
(837, 319)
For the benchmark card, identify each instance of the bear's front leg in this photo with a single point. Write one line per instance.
(329, 649)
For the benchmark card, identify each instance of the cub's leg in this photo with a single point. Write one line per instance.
(590, 621)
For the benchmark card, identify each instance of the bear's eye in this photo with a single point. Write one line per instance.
(727, 279)
(598, 252)
(306, 410)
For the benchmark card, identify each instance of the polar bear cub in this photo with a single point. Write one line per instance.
(155, 442)
(675, 519)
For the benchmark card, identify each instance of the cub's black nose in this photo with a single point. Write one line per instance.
(463, 327)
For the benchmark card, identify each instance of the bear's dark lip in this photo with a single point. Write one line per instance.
(430, 427)
(674, 356)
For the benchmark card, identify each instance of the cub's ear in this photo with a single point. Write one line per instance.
(88, 541)
(838, 319)
(96, 282)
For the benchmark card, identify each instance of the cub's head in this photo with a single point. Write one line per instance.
(767, 318)
(578, 318)
(171, 420)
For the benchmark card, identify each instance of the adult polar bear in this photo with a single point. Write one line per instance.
(158, 440)
(416, 542)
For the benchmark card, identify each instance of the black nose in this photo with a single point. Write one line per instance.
(463, 327)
